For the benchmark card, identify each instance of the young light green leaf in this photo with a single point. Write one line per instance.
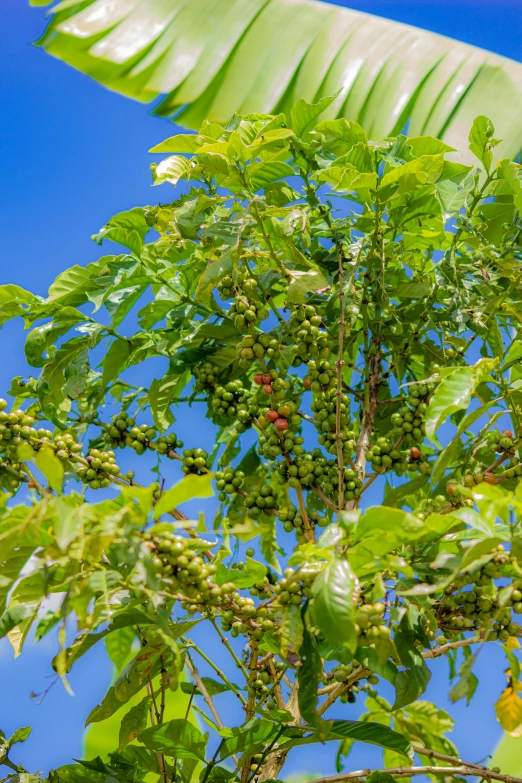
(481, 140)
(51, 467)
(192, 486)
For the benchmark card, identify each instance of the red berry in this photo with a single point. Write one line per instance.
(267, 388)
(272, 415)
(281, 424)
(507, 433)
(415, 452)
(267, 378)
(258, 378)
(31, 484)
(307, 383)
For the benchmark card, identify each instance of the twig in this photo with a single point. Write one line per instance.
(218, 671)
(433, 754)
(320, 494)
(399, 772)
(206, 695)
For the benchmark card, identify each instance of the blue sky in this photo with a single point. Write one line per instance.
(71, 155)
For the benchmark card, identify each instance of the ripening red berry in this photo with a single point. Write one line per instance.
(415, 452)
(267, 378)
(281, 424)
(489, 478)
(307, 383)
(267, 388)
(507, 433)
(272, 415)
(31, 484)
(258, 378)
(451, 489)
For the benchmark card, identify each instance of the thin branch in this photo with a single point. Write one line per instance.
(218, 671)
(433, 754)
(339, 389)
(401, 772)
(206, 695)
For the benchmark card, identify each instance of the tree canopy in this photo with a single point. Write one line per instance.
(346, 312)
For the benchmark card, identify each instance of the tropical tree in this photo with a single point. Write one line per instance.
(206, 59)
(347, 314)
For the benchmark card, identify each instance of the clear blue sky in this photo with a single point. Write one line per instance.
(73, 154)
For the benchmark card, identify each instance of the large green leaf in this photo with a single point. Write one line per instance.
(335, 592)
(211, 58)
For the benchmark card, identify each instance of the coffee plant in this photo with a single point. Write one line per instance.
(347, 314)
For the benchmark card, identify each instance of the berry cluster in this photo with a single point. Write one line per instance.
(259, 500)
(484, 606)
(303, 327)
(227, 400)
(257, 346)
(206, 376)
(101, 465)
(183, 567)
(383, 455)
(228, 482)
(195, 461)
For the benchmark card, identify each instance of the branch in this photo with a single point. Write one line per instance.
(206, 695)
(370, 406)
(218, 671)
(401, 772)
(339, 390)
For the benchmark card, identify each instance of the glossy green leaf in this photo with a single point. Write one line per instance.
(454, 393)
(335, 592)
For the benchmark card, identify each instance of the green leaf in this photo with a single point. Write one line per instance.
(308, 677)
(421, 171)
(51, 467)
(115, 359)
(303, 282)
(335, 592)
(413, 681)
(119, 646)
(20, 735)
(182, 142)
(14, 616)
(177, 738)
(249, 738)
(382, 529)
(171, 170)
(481, 140)
(374, 733)
(192, 486)
(253, 573)
(134, 722)
(410, 684)
(162, 393)
(68, 524)
(303, 114)
(132, 679)
(290, 624)
(454, 393)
